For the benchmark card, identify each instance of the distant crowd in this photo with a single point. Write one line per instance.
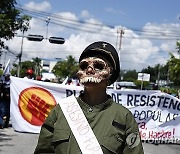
(5, 93)
(4, 101)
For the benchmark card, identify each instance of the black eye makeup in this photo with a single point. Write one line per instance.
(83, 65)
(99, 65)
(95, 64)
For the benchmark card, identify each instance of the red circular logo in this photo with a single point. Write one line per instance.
(35, 103)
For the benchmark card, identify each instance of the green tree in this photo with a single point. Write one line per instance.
(130, 75)
(37, 66)
(24, 67)
(163, 72)
(139, 84)
(158, 72)
(11, 20)
(174, 69)
(153, 71)
(65, 68)
(178, 48)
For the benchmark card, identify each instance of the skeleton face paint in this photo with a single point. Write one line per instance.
(94, 70)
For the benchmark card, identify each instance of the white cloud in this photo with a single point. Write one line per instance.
(85, 14)
(163, 39)
(135, 53)
(167, 46)
(44, 6)
(138, 50)
(68, 15)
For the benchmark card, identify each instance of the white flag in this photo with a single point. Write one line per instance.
(32, 100)
(7, 68)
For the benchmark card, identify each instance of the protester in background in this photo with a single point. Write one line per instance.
(73, 81)
(5, 101)
(38, 78)
(29, 74)
(178, 95)
(113, 125)
(69, 81)
(1, 106)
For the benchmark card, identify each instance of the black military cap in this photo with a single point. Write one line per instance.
(107, 51)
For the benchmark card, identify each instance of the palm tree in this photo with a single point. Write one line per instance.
(37, 66)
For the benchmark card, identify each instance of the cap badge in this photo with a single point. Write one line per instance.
(104, 45)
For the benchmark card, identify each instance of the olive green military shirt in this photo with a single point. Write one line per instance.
(113, 125)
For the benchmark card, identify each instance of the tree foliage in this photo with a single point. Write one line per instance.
(11, 20)
(138, 84)
(130, 75)
(66, 68)
(153, 71)
(174, 69)
(37, 66)
(157, 72)
(178, 47)
(24, 67)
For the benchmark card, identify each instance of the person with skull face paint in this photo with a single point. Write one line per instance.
(113, 125)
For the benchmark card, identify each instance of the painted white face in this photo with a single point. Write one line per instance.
(93, 70)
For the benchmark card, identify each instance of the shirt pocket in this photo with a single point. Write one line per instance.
(112, 144)
(60, 138)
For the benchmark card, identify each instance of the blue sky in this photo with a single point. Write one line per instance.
(124, 12)
(151, 28)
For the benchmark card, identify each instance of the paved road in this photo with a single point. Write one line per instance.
(12, 142)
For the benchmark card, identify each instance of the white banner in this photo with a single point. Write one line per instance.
(157, 113)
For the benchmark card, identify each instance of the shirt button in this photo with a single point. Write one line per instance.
(90, 109)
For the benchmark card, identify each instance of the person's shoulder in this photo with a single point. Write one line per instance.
(57, 107)
(120, 107)
(54, 112)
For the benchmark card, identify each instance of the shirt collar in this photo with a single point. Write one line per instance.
(95, 108)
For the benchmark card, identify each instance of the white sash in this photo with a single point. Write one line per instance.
(79, 125)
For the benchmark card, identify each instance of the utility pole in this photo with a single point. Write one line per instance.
(142, 80)
(120, 33)
(47, 24)
(20, 55)
(168, 76)
(120, 41)
(159, 73)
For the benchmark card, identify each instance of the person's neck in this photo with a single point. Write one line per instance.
(94, 97)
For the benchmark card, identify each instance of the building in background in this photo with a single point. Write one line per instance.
(47, 66)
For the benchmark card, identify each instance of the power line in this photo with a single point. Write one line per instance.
(167, 34)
